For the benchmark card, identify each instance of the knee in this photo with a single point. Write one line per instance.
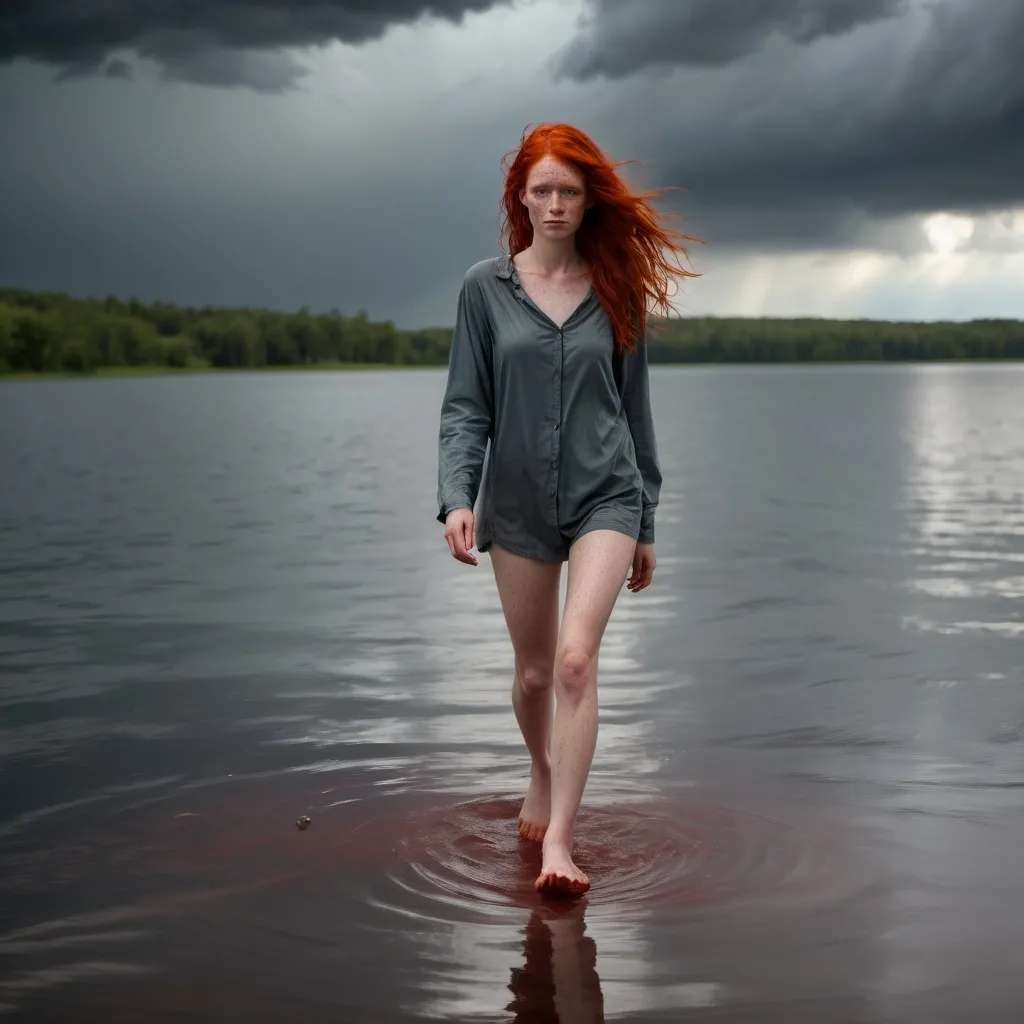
(534, 679)
(573, 671)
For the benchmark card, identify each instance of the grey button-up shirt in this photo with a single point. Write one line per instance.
(568, 417)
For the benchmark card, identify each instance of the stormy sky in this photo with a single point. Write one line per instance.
(838, 157)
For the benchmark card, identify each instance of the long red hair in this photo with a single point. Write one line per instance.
(633, 257)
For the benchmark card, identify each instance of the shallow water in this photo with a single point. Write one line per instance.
(225, 603)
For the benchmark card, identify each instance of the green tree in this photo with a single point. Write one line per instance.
(43, 331)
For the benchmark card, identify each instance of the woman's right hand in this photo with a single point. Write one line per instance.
(458, 531)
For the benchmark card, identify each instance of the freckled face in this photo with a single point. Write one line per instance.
(556, 197)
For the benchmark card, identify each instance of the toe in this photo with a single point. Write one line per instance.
(553, 884)
(530, 830)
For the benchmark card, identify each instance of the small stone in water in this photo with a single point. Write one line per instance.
(303, 822)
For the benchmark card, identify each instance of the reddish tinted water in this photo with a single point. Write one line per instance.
(806, 797)
(216, 903)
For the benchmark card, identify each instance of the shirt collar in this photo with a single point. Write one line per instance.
(505, 267)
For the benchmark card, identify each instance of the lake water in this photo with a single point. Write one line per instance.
(225, 603)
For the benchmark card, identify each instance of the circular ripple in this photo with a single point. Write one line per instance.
(449, 862)
(468, 859)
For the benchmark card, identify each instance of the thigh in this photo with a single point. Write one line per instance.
(621, 516)
(599, 562)
(528, 590)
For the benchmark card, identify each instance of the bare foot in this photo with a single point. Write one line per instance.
(559, 876)
(536, 809)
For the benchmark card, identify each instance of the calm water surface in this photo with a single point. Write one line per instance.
(225, 603)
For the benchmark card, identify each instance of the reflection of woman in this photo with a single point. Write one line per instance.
(548, 364)
(558, 981)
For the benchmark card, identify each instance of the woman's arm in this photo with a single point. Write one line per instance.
(467, 411)
(636, 402)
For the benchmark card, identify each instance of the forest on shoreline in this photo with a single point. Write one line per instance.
(51, 332)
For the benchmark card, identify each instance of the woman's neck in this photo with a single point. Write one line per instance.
(551, 256)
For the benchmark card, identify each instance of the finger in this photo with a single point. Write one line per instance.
(643, 576)
(460, 549)
(470, 557)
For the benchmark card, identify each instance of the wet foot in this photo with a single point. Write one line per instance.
(536, 809)
(559, 876)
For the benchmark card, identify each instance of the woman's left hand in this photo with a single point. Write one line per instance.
(643, 568)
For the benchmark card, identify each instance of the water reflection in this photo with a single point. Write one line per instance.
(558, 979)
(806, 794)
(963, 503)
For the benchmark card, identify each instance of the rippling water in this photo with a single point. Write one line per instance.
(224, 603)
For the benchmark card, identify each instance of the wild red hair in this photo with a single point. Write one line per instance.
(632, 256)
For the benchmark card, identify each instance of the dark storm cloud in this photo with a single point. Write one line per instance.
(117, 68)
(215, 42)
(921, 111)
(620, 38)
(113, 68)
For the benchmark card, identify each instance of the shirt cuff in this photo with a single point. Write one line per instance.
(646, 529)
(457, 501)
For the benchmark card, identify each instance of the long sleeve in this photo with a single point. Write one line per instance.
(636, 403)
(467, 411)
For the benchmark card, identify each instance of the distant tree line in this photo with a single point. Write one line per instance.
(808, 340)
(49, 331)
(52, 332)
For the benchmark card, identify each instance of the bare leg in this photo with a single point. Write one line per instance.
(577, 996)
(598, 565)
(528, 590)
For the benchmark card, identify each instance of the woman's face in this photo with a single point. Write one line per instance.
(556, 197)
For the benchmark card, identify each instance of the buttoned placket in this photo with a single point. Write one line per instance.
(558, 349)
(556, 412)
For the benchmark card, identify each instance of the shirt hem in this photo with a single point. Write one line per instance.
(521, 550)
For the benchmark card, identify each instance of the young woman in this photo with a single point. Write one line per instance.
(548, 365)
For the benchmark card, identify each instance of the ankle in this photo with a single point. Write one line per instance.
(558, 838)
(541, 771)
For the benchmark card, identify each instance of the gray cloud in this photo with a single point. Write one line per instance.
(392, 159)
(620, 38)
(113, 68)
(213, 42)
(915, 113)
(190, 60)
(118, 68)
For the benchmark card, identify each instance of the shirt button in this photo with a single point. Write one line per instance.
(559, 335)
(554, 465)
(556, 426)
(556, 376)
